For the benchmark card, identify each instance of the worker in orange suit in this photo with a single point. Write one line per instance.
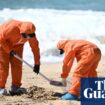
(13, 36)
(87, 55)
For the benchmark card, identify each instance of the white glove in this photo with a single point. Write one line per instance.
(64, 82)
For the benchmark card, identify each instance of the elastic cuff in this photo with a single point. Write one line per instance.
(74, 93)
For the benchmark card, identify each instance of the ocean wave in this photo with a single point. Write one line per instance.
(53, 25)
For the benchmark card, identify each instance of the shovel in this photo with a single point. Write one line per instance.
(52, 82)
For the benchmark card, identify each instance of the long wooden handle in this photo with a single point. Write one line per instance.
(22, 60)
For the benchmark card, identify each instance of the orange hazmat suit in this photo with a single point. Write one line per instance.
(11, 39)
(87, 55)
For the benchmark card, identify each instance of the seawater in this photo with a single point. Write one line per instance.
(58, 19)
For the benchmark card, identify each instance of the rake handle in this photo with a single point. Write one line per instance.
(22, 60)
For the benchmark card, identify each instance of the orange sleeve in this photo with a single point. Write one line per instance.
(67, 64)
(34, 44)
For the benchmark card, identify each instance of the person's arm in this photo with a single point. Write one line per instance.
(34, 44)
(67, 64)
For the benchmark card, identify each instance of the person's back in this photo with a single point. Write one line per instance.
(12, 22)
(75, 44)
(79, 47)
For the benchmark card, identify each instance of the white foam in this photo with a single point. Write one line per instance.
(53, 25)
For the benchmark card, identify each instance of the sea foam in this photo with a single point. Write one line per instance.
(53, 25)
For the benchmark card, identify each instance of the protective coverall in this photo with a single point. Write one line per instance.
(87, 55)
(11, 39)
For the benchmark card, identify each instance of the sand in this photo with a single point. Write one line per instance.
(39, 91)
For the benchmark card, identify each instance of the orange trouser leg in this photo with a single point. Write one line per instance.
(84, 70)
(16, 68)
(4, 67)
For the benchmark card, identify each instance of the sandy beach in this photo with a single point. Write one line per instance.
(30, 79)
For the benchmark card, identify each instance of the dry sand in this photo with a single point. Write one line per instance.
(40, 92)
